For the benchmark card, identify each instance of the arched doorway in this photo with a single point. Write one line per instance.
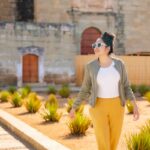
(88, 37)
(30, 68)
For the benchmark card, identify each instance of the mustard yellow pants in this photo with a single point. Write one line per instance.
(107, 117)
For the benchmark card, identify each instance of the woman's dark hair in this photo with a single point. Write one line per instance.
(108, 39)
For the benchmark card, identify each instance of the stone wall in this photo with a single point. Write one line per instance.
(56, 39)
(58, 27)
(136, 25)
(7, 10)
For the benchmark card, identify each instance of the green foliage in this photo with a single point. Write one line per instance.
(134, 87)
(142, 89)
(147, 96)
(141, 140)
(16, 100)
(4, 96)
(51, 89)
(28, 88)
(12, 89)
(32, 103)
(146, 127)
(50, 112)
(70, 103)
(80, 109)
(129, 106)
(51, 100)
(65, 85)
(64, 91)
(24, 91)
(79, 124)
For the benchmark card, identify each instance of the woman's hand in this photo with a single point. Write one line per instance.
(136, 114)
(72, 113)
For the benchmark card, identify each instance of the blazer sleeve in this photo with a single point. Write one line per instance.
(85, 88)
(127, 85)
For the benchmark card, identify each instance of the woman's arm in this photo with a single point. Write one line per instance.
(85, 88)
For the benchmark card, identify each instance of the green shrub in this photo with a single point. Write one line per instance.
(28, 88)
(4, 96)
(70, 103)
(147, 96)
(142, 89)
(50, 113)
(146, 127)
(129, 106)
(51, 89)
(134, 88)
(65, 85)
(80, 109)
(141, 140)
(32, 103)
(64, 91)
(12, 89)
(79, 124)
(51, 100)
(24, 92)
(16, 100)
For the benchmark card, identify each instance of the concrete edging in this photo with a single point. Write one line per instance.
(32, 136)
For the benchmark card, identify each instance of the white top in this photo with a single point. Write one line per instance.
(107, 80)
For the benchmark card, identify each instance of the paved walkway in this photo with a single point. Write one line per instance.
(8, 141)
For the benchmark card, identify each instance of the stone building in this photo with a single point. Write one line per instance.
(39, 40)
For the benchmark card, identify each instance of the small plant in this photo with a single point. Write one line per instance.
(134, 88)
(146, 127)
(147, 96)
(51, 100)
(28, 88)
(12, 89)
(4, 96)
(16, 100)
(50, 113)
(64, 91)
(141, 140)
(79, 124)
(80, 109)
(129, 106)
(51, 89)
(23, 92)
(32, 103)
(142, 89)
(69, 106)
(65, 85)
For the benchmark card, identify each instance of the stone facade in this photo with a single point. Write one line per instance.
(7, 10)
(57, 28)
(55, 40)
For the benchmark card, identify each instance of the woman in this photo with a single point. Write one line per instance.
(106, 82)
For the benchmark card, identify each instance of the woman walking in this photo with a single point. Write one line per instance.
(106, 82)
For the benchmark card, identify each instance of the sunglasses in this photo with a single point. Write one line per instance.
(94, 45)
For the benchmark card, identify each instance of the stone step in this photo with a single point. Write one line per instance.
(42, 87)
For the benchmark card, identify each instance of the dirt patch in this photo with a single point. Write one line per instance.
(60, 132)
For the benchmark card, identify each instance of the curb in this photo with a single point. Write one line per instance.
(32, 136)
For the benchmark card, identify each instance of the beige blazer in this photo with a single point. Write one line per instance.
(88, 89)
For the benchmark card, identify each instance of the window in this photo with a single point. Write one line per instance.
(25, 10)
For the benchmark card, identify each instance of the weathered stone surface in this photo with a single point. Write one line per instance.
(59, 78)
(58, 29)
